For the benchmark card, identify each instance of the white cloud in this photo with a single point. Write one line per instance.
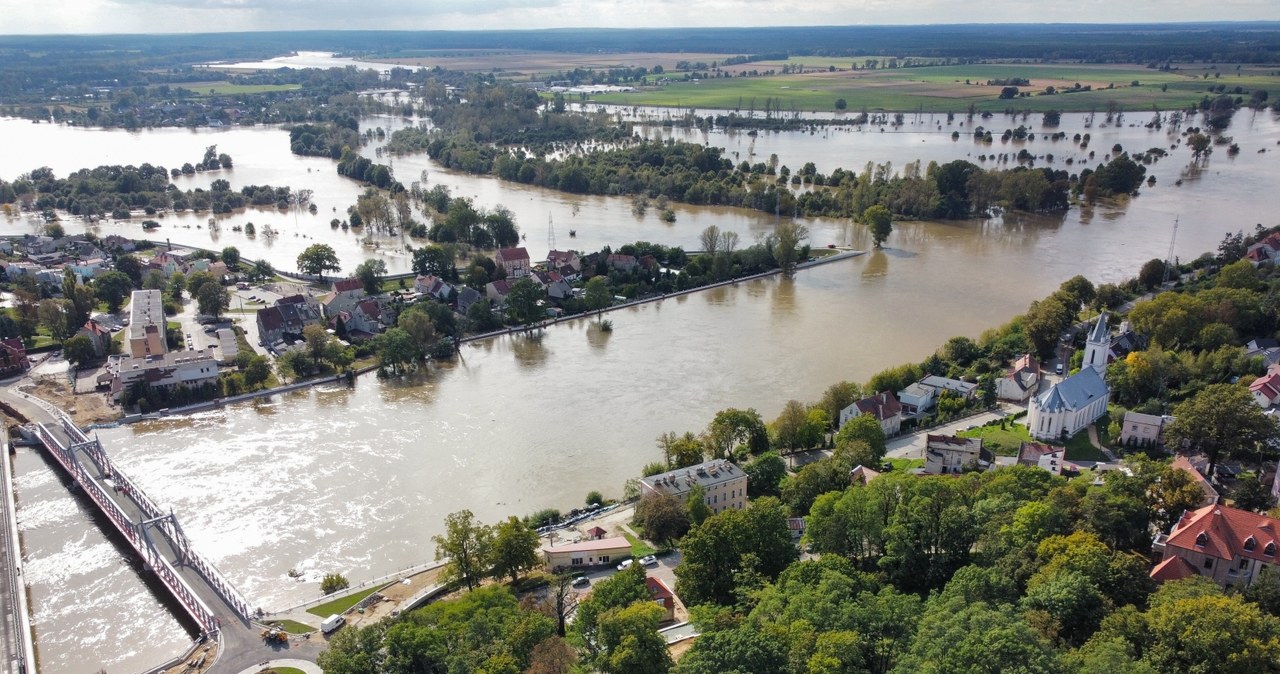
(101, 16)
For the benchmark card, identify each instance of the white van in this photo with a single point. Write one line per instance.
(332, 623)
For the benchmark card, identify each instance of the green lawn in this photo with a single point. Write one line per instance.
(291, 626)
(1001, 441)
(1080, 449)
(638, 547)
(901, 465)
(943, 88)
(341, 605)
(283, 670)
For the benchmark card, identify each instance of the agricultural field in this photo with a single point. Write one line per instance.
(543, 65)
(223, 88)
(944, 88)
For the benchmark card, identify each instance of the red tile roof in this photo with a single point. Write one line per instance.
(93, 328)
(658, 590)
(347, 285)
(1184, 463)
(512, 254)
(1268, 386)
(1226, 533)
(1029, 453)
(883, 405)
(1173, 568)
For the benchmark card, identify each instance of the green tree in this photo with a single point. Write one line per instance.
(53, 315)
(420, 327)
(78, 350)
(662, 517)
(112, 287)
(765, 474)
(794, 429)
(212, 299)
(231, 258)
(864, 428)
(597, 295)
(1221, 420)
(732, 429)
(880, 221)
(177, 284)
(523, 301)
(370, 273)
(786, 244)
(467, 545)
(317, 259)
(316, 339)
(714, 552)
(332, 582)
(617, 591)
(957, 636)
(515, 549)
(262, 270)
(1151, 274)
(396, 350)
(198, 280)
(435, 260)
(695, 502)
(630, 643)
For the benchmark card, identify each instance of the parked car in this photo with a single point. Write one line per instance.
(581, 581)
(648, 560)
(626, 564)
(1058, 369)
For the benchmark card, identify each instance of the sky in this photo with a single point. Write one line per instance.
(202, 16)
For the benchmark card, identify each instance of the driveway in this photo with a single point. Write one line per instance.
(912, 446)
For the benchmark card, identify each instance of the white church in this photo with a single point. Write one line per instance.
(1079, 400)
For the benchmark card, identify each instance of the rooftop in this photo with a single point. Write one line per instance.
(682, 480)
(590, 546)
(146, 307)
(1074, 392)
(1226, 533)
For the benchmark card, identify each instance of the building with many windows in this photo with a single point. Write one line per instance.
(724, 483)
(1224, 544)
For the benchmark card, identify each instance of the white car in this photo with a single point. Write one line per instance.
(648, 560)
(626, 564)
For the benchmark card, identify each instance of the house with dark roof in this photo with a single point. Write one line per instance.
(514, 260)
(497, 291)
(883, 406)
(286, 319)
(724, 484)
(1021, 381)
(1224, 544)
(553, 283)
(1265, 348)
(621, 262)
(434, 286)
(346, 294)
(468, 296)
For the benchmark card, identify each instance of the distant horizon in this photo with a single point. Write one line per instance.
(587, 28)
(178, 17)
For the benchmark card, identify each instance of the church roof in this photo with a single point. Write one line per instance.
(1074, 392)
(1101, 334)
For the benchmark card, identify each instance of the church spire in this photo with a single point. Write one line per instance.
(1098, 346)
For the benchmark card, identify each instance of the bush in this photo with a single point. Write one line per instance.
(594, 498)
(333, 582)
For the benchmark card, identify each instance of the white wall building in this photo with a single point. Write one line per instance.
(1078, 400)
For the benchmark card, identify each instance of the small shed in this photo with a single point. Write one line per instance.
(596, 533)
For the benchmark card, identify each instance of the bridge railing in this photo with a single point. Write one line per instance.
(168, 525)
(161, 566)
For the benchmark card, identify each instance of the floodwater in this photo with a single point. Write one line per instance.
(306, 59)
(356, 481)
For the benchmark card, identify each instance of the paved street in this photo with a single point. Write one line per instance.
(912, 446)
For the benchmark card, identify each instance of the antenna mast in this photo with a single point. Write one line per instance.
(1168, 261)
(551, 234)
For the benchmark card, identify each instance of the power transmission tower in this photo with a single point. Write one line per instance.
(551, 234)
(1168, 261)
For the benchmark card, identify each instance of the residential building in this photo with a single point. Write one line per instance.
(189, 369)
(883, 406)
(1266, 389)
(725, 484)
(1224, 544)
(345, 296)
(1126, 341)
(147, 324)
(1079, 400)
(434, 286)
(98, 336)
(965, 389)
(514, 260)
(1266, 348)
(586, 553)
(1143, 430)
(558, 259)
(553, 283)
(622, 263)
(916, 400)
(1266, 250)
(466, 297)
(286, 319)
(13, 355)
(947, 454)
(1021, 381)
(120, 243)
(497, 291)
(1044, 457)
(661, 595)
(1210, 493)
